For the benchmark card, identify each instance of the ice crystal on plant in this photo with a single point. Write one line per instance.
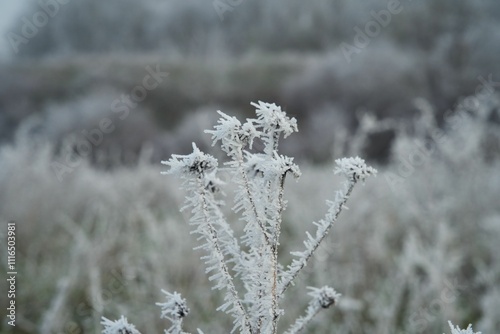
(272, 118)
(273, 122)
(174, 309)
(232, 134)
(120, 326)
(260, 179)
(325, 296)
(252, 258)
(457, 330)
(355, 169)
(194, 163)
(322, 298)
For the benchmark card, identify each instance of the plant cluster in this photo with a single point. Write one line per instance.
(246, 268)
(250, 262)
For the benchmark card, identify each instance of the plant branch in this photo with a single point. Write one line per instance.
(312, 244)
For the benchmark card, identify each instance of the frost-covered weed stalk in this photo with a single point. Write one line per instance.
(457, 330)
(252, 258)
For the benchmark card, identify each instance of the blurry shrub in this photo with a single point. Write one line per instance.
(79, 123)
(88, 26)
(194, 28)
(383, 80)
(395, 256)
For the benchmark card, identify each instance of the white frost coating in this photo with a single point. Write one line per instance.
(457, 330)
(120, 326)
(252, 258)
(260, 179)
(232, 135)
(174, 309)
(322, 298)
(354, 169)
(194, 163)
(273, 122)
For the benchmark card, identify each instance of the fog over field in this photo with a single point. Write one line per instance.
(95, 94)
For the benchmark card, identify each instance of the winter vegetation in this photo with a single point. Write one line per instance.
(260, 180)
(407, 258)
(96, 93)
(285, 51)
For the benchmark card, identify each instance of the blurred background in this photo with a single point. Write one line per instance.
(93, 94)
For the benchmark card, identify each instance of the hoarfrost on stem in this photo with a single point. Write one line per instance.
(120, 326)
(322, 298)
(174, 309)
(250, 261)
(354, 169)
(260, 180)
(457, 330)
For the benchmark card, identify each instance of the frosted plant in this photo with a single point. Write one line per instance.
(457, 330)
(250, 262)
(120, 326)
(260, 179)
(174, 309)
(322, 298)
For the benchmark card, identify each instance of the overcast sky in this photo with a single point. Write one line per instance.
(9, 12)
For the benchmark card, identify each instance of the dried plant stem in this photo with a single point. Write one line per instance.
(302, 322)
(251, 200)
(279, 219)
(218, 254)
(322, 231)
(260, 200)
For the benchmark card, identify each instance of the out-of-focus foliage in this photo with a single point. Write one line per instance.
(408, 256)
(286, 51)
(195, 28)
